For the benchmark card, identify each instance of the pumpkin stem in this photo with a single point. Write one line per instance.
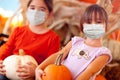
(21, 52)
(58, 59)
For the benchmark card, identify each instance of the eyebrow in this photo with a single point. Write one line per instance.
(41, 7)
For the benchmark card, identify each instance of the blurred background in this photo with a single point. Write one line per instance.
(65, 22)
(7, 9)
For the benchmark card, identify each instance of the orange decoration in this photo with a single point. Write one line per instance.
(89, 1)
(116, 5)
(115, 35)
(100, 77)
(57, 71)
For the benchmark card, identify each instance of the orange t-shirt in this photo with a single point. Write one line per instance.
(40, 46)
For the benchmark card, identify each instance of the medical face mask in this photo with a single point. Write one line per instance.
(93, 31)
(36, 17)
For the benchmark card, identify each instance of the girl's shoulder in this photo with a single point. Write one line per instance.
(52, 33)
(76, 40)
(20, 28)
(105, 51)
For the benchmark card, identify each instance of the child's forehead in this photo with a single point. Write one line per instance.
(95, 15)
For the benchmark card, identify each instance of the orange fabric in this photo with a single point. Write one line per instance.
(40, 46)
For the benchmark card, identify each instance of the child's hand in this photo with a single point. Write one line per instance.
(38, 74)
(26, 71)
(2, 71)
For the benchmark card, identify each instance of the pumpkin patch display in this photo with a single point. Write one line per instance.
(57, 71)
(12, 62)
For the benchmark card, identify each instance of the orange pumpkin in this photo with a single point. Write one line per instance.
(100, 77)
(57, 71)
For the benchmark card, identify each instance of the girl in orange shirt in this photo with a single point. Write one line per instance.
(35, 39)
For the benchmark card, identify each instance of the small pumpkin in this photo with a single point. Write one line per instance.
(57, 71)
(100, 77)
(11, 63)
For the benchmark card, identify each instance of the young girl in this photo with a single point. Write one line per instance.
(85, 58)
(36, 39)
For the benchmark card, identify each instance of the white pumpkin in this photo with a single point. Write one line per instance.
(11, 63)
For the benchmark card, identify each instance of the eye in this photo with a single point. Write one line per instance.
(42, 9)
(32, 7)
(98, 21)
(89, 21)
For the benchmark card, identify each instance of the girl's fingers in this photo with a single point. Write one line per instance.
(2, 71)
(39, 74)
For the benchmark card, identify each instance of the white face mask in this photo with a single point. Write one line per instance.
(36, 17)
(93, 31)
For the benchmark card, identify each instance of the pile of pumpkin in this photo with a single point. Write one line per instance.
(55, 71)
